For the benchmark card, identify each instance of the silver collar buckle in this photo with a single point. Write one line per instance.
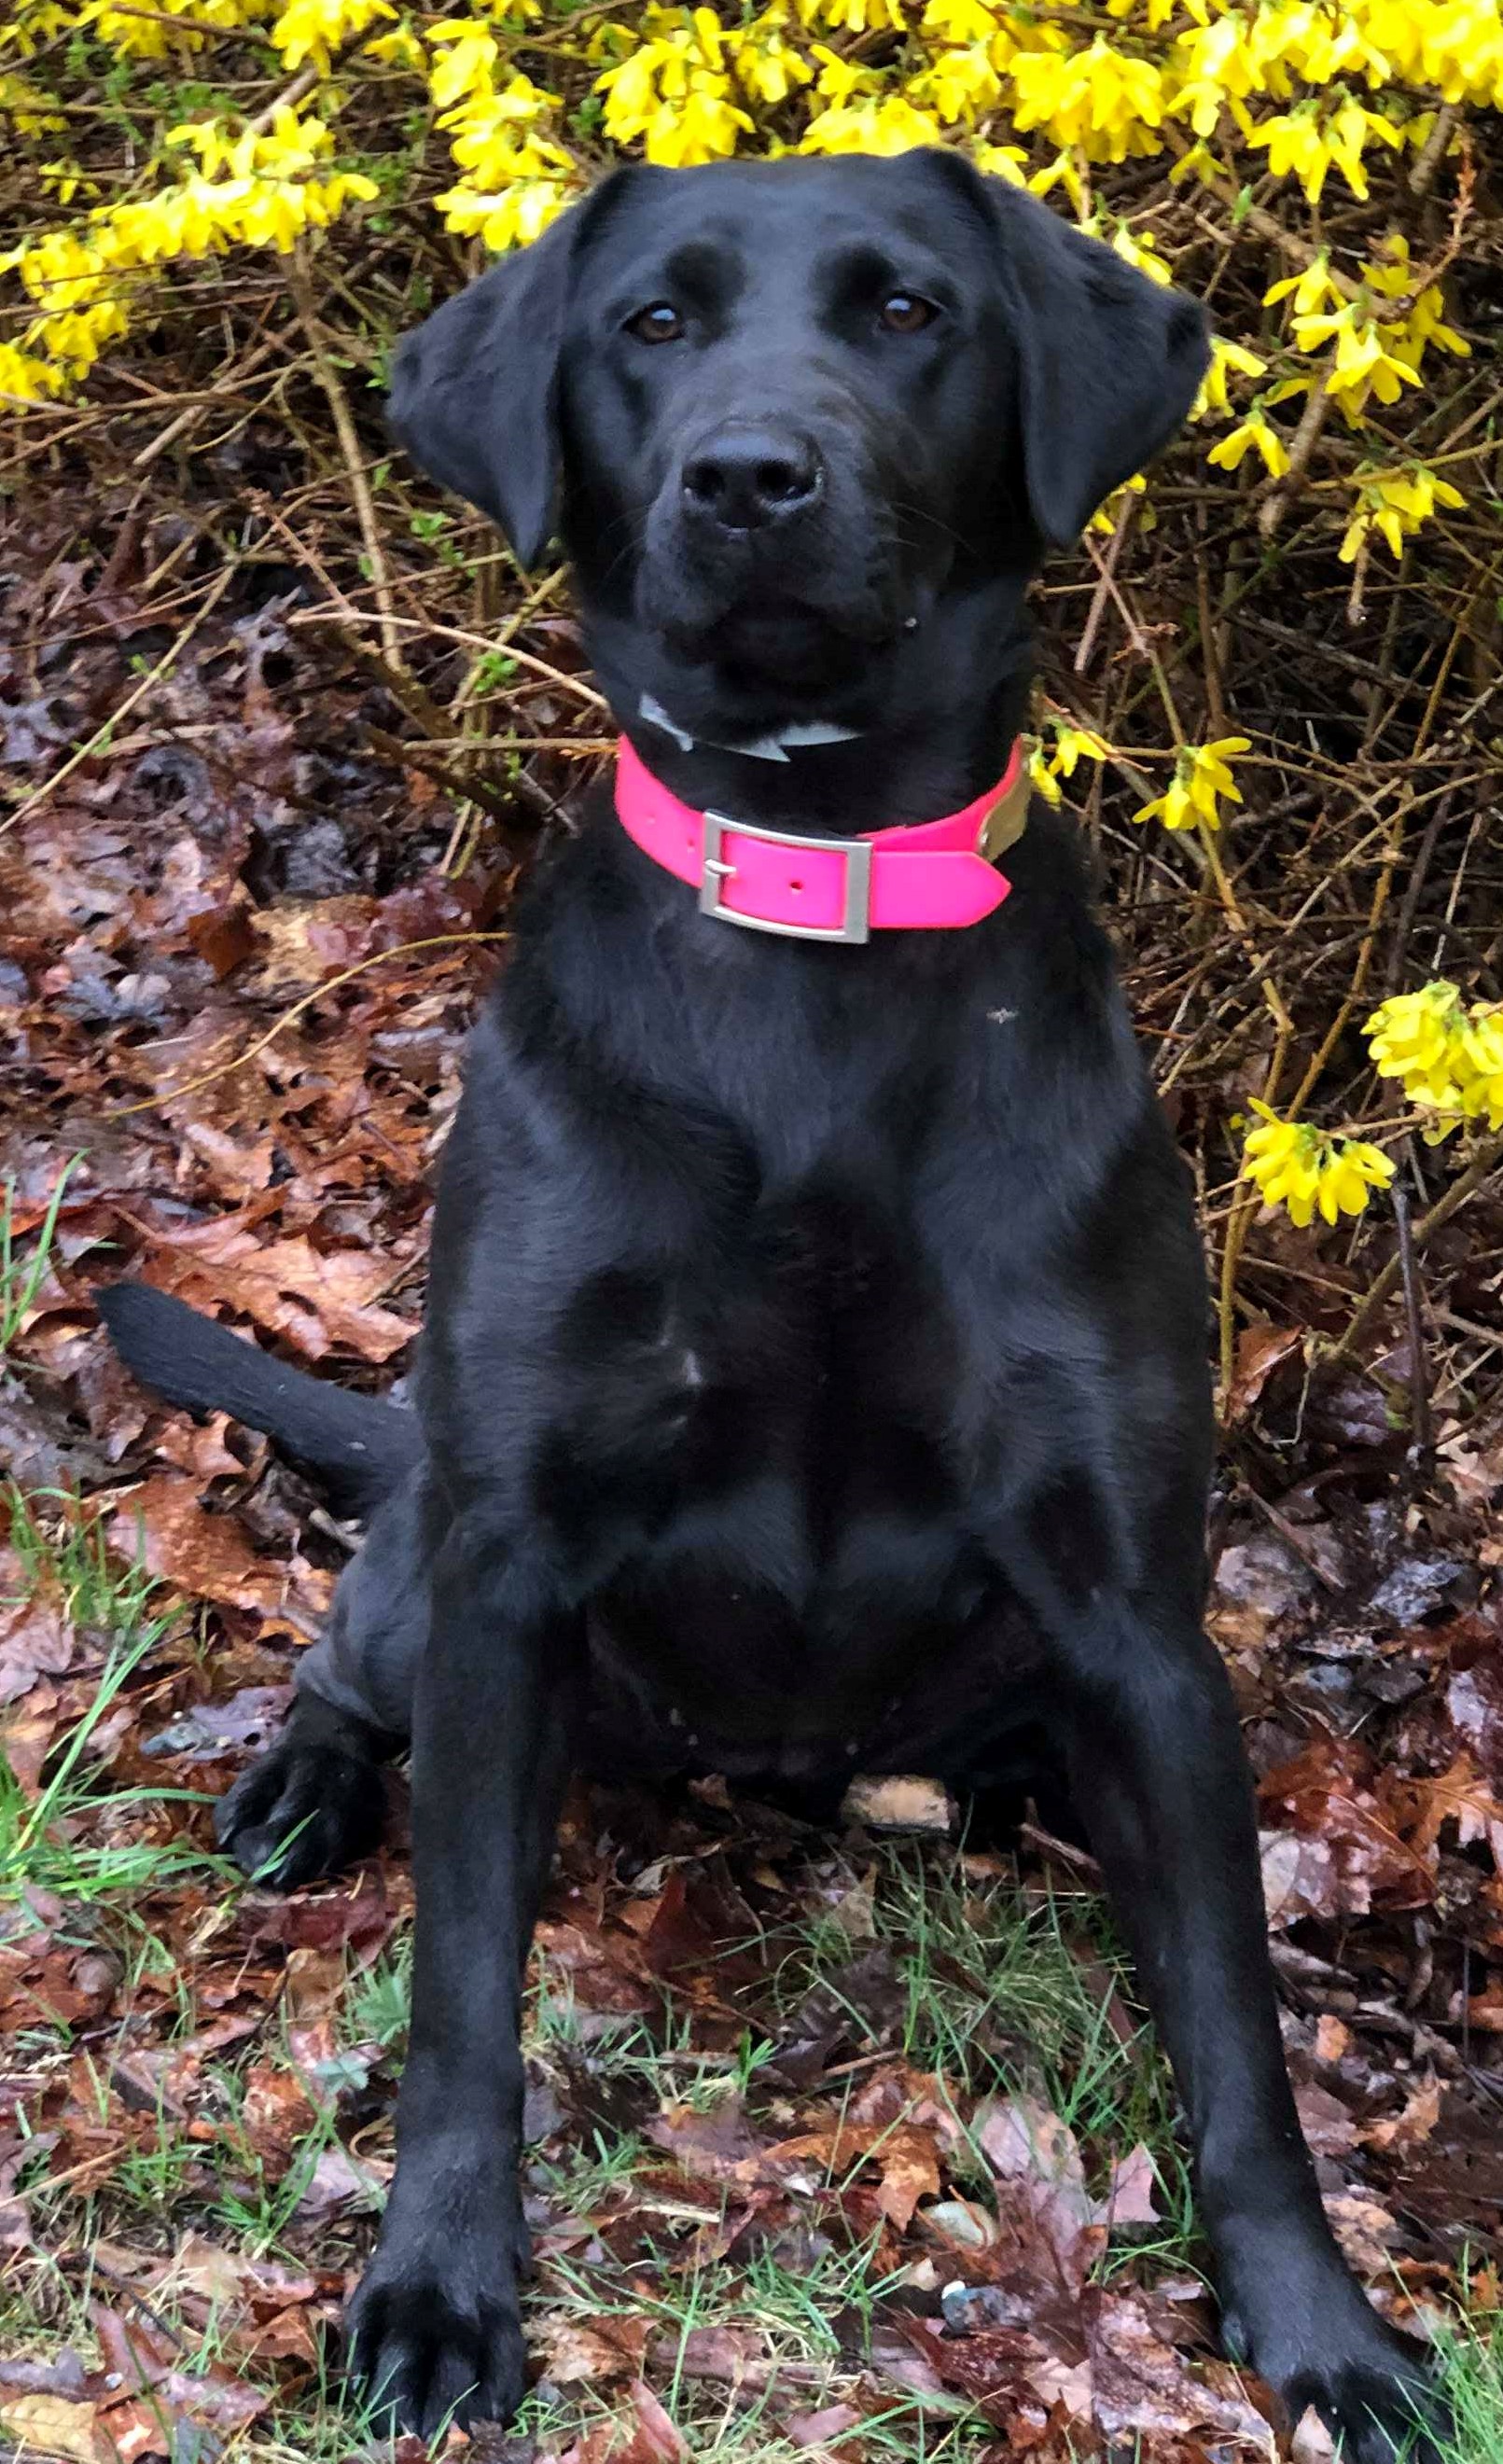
(856, 922)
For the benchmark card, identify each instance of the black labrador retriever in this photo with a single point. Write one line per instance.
(814, 1377)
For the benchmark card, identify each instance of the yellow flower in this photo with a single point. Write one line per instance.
(839, 79)
(1201, 779)
(159, 34)
(1447, 1059)
(701, 127)
(1482, 1058)
(288, 147)
(398, 50)
(853, 16)
(1294, 1165)
(1310, 139)
(1363, 364)
(24, 378)
(1455, 45)
(1197, 163)
(1173, 808)
(1005, 161)
(1311, 290)
(1395, 503)
(1101, 100)
(1319, 86)
(1415, 1037)
(465, 65)
(764, 60)
(27, 106)
(673, 90)
(1282, 1160)
(1387, 271)
(1320, 45)
(630, 88)
(1408, 341)
(1348, 131)
(889, 126)
(1254, 433)
(1225, 357)
(34, 24)
(1350, 1174)
(1062, 173)
(1141, 254)
(960, 86)
(495, 138)
(960, 21)
(1106, 517)
(315, 29)
(516, 214)
(1213, 64)
(1072, 744)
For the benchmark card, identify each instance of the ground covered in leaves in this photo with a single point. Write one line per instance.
(848, 2147)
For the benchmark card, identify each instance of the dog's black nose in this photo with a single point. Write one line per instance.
(744, 477)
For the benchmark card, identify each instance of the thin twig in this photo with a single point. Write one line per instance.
(1307, 436)
(354, 460)
(331, 984)
(1108, 573)
(470, 641)
(1483, 1163)
(1419, 1380)
(423, 759)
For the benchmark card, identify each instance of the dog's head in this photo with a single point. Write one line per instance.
(780, 411)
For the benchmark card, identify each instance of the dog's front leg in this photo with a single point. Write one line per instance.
(1159, 1774)
(434, 2328)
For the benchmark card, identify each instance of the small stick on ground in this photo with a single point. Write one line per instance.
(1419, 1370)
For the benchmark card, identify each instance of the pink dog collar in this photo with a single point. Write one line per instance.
(930, 875)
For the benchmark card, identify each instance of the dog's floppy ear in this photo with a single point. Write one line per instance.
(1109, 362)
(474, 390)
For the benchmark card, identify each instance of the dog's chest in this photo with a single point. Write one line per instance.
(779, 1417)
(806, 1344)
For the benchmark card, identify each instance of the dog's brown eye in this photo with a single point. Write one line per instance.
(659, 323)
(903, 313)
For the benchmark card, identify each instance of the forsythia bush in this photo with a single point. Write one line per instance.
(493, 117)
(1449, 1060)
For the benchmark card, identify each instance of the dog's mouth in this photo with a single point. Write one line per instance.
(806, 617)
(789, 640)
(797, 597)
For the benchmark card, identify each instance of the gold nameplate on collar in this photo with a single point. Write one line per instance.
(1008, 818)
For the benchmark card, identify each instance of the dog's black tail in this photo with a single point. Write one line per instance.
(361, 1449)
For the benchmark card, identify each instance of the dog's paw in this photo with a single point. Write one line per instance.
(1370, 2387)
(302, 1811)
(425, 2348)
(1378, 2412)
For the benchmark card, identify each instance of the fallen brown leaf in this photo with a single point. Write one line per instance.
(51, 2424)
(1140, 2385)
(899, 1804)
(210, 1558)
(36, 1636)
(1034, 2154)
(1130, 2193)
(573, 2351)
(320, 1301)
